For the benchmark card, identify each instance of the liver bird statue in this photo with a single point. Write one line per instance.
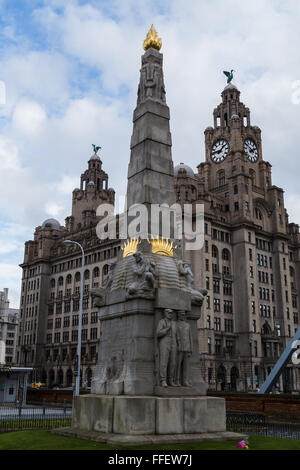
(229, 75)
(95, 148)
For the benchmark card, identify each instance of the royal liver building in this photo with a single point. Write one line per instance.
(249, 263)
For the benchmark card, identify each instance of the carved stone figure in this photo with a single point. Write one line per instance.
(151, 82)
(98, 293)
(185, 350)
(197, 295)
(166, 336)
(144, 278)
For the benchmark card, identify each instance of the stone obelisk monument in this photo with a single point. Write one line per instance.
(148, 384)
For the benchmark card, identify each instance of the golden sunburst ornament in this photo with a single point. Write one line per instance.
(162, 246)
(152, 40)
(130, 247)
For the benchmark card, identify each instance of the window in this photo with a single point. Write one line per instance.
(93, 333)
(207, 283)
(208, 345)
(75, 320)
(227, 288)
(218, 346)
(252, 289)
(253, 306)
(214, 251)
(216, 286)
(251, 271)
(250, 254)
(254, 326)
(94, 317)
(295, 316)
(74, 335)
(228, 324)
(236, 206)
(66, 322)
(208, 322)
(65, 336)
(227, 306)
(246, 206)
(235, 189)
(229, 345)
(217, 324)
(57, 338)
(208, 301)
(85, 318)
(216, 305)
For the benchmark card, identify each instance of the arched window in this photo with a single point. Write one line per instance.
(77, 277)
(226, 255)
(96, 272)
(60, 377)
(52, 283)
(69, 377)
(69, 279)
(235, 189)
(86, 274)
(60, 281)
(214, 251)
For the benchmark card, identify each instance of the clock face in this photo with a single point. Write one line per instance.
(219, 151)
(251, 150)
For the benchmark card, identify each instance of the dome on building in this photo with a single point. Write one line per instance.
(95, 157)
(209, 128)
(183, 170)
(230, 86)
(53, 222)
(235, 117)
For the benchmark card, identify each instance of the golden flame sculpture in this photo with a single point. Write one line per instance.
(162, 246)
(130, 247)
(152, 40)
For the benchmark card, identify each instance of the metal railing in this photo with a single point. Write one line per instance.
(260, 425)
(15, 417)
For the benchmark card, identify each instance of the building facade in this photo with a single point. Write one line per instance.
(249, 264)
(8, 330)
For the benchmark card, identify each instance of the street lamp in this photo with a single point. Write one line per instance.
(77, 382)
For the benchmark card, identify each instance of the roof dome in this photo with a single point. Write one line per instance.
(91, 183)
(183, 170)
(95, 157)
(230, 86)
(53, 222)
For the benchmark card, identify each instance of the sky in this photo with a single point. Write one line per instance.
(69, 72)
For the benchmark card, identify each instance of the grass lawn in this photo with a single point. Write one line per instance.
(45, 440)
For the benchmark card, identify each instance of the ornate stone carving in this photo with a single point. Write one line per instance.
(184, 350)
(151, 81)
(167, 349)
(144, 278)
(98, 293)
(197, 295)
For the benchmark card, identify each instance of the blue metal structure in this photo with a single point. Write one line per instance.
(281, 363)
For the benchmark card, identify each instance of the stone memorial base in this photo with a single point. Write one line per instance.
(141, 420)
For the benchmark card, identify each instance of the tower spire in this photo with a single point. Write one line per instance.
(150, 171)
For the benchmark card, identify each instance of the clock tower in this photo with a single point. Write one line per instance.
(234, 168)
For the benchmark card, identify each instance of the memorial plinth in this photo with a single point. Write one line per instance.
(148, 384)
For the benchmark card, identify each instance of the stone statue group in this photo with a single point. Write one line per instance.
(175, 347)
